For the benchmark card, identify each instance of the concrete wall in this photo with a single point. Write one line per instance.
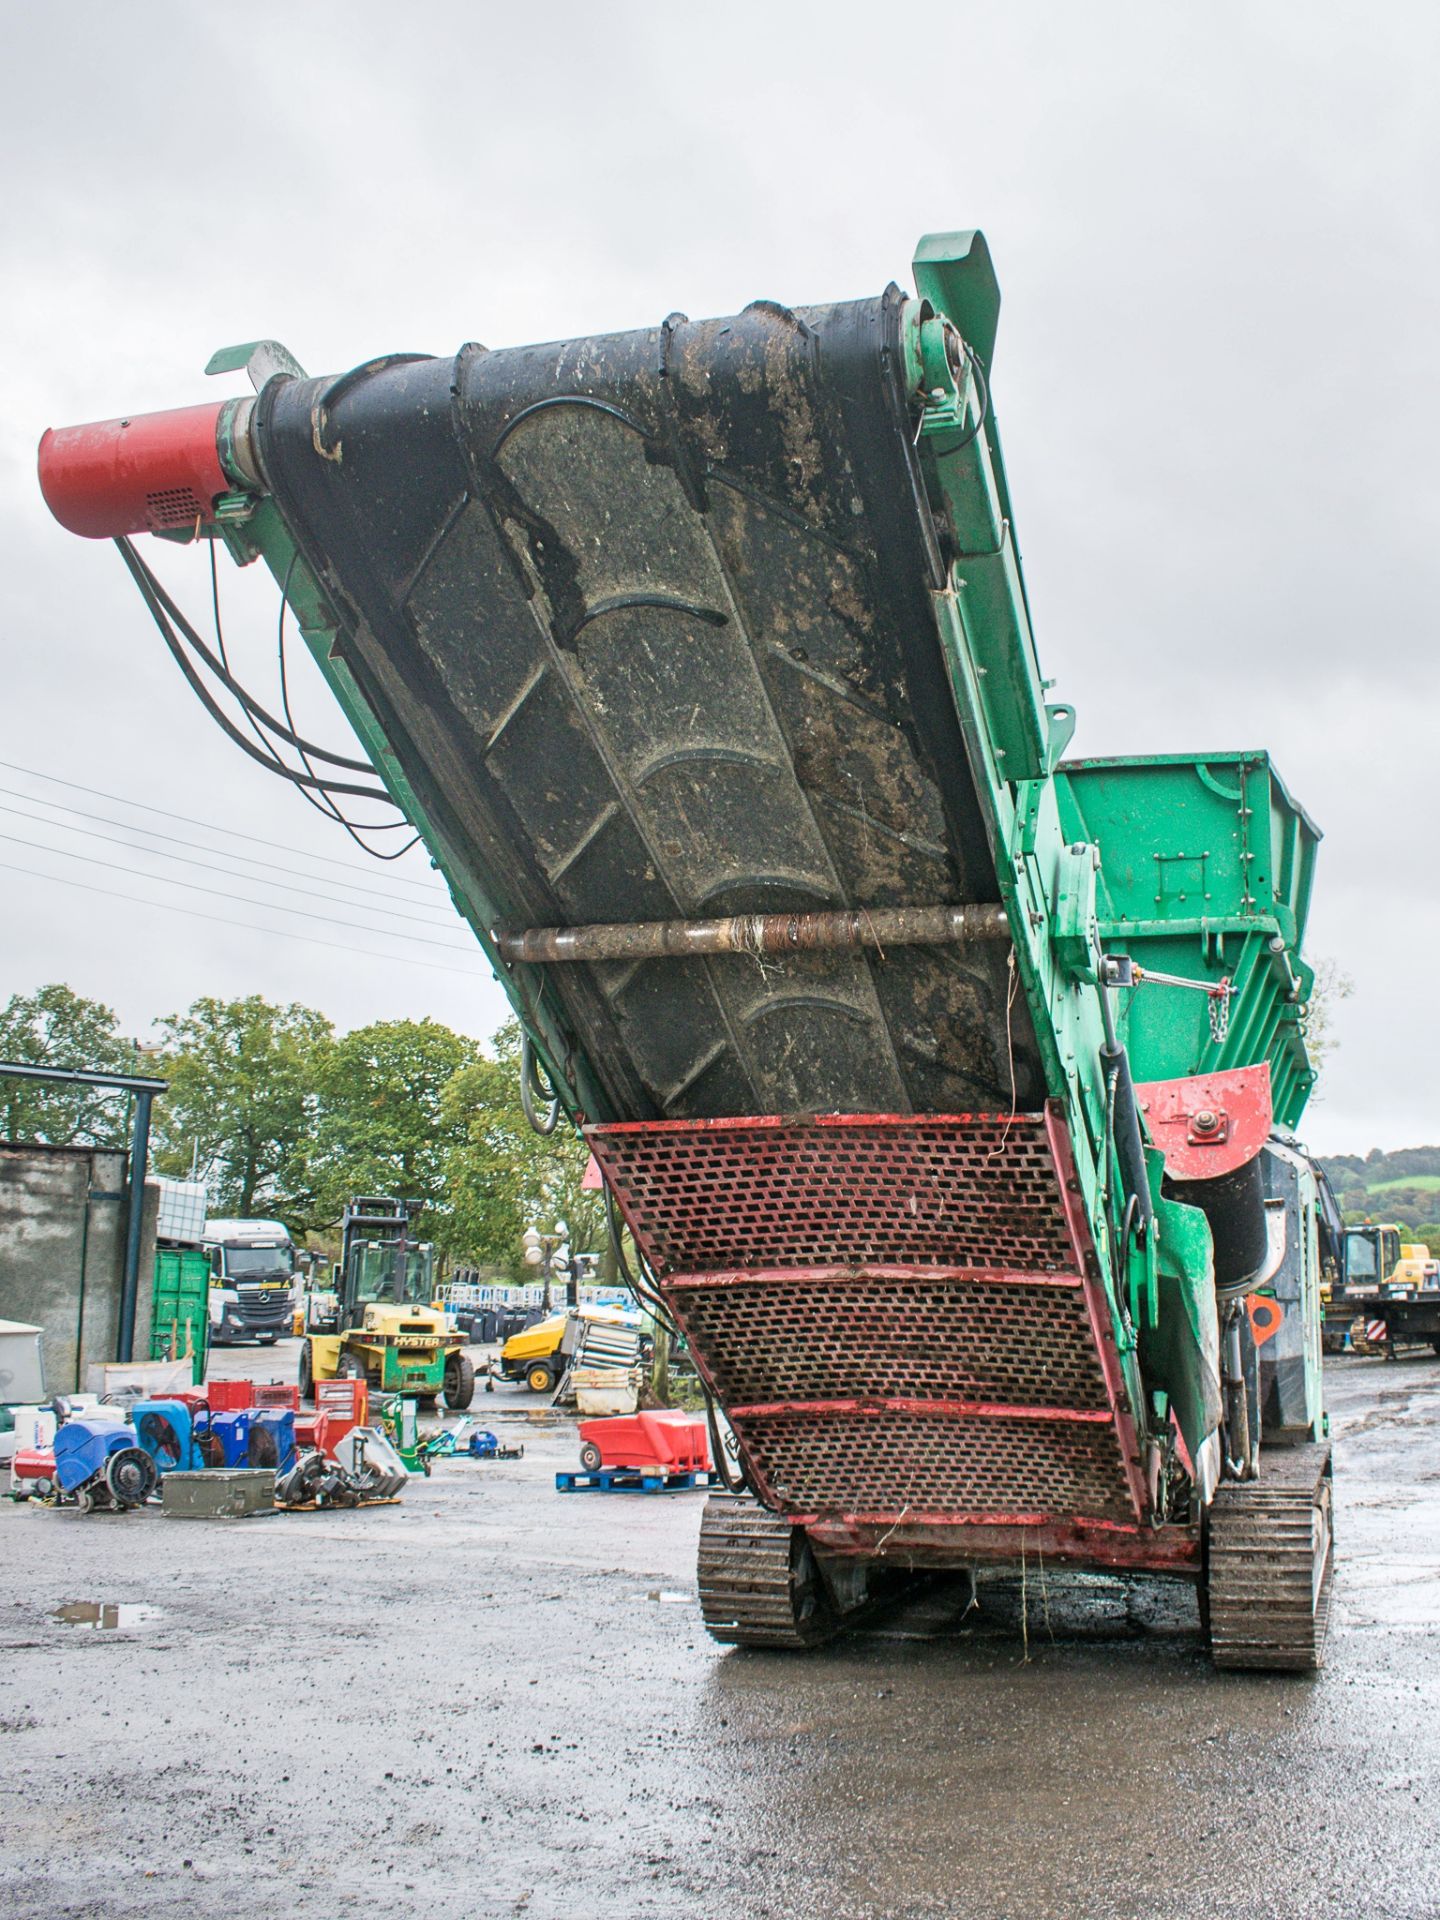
(62, 1254)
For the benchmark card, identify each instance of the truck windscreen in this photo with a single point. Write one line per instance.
(258, 1263)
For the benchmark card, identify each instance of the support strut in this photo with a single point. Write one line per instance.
(853, 929)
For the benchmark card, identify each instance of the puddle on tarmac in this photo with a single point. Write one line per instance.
(96, 1613)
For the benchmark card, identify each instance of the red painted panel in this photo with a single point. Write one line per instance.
(1005, 1539)
(1210, 1123)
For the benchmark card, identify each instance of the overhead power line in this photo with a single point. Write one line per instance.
(209, 826)
(221, 920)
(240, 899)
(188, 860)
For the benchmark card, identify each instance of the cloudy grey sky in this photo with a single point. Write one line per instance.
(1217, 234)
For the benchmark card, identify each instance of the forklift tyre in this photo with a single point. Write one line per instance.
(539, 1379)
(307, 1374)
(459, 1382)
(350, 1367)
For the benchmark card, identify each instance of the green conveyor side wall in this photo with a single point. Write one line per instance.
(1206, 866)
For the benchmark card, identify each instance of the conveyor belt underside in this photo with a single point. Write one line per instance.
(647, 621)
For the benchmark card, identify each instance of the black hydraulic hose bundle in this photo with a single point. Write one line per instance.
(644, 1297)
(164, 611)
(318, 789)
(1129, 1147)
(656, 1308)
(531, 1091)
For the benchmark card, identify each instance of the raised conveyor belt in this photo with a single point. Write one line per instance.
(646, 619)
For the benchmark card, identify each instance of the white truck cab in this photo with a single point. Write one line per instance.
(252, 1280)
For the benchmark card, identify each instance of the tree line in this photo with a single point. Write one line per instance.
(285, 1118)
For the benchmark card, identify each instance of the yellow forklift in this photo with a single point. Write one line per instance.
(380, 1324)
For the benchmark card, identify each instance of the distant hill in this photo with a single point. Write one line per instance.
(1403, 1186)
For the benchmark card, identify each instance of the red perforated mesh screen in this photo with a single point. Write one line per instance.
(967, 1191)
(883, 1462)
(875, 1300)
(896, 1334)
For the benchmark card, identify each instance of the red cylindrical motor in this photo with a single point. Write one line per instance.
(139, 475)
(32, 1471)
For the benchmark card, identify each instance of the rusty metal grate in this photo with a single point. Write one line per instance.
(892, 1310)
(954, 1191)
(884, 1462)
(893, 1333)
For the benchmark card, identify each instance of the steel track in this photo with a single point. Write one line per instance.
(1270, 1564)
(759, 1582)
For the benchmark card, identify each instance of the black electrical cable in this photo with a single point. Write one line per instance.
(310, 889)
(327, 806)
(658, 1310)
(717, 1449)
(530, 1087)
(264, 739)
(647, 1298)
(440, 912)
(142, 577)
(248, 926)
(221, 893)
(959, 446)
(222, 673)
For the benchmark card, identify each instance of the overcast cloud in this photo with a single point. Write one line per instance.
(1216, 234)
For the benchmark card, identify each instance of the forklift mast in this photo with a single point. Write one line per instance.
(377, 1254)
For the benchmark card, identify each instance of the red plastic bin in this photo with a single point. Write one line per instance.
(658, 1442)
(277, 1394)
(230, 1396)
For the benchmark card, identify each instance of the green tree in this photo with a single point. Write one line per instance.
(502, 1175)
(1332, 985)
(382, 1125)
(242, 1103)
(55, 1027)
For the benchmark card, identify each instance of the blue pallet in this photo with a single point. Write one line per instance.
(633, 1480)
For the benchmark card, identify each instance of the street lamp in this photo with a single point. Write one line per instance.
(551, 1253)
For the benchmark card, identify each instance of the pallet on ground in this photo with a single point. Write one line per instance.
(634, 1480)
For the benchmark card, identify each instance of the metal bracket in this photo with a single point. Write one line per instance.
(1077, 939)
(260, 359)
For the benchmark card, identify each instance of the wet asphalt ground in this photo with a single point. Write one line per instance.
(495, 1699)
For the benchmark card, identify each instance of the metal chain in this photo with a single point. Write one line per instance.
(1219, 996)
(1220, 1012)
